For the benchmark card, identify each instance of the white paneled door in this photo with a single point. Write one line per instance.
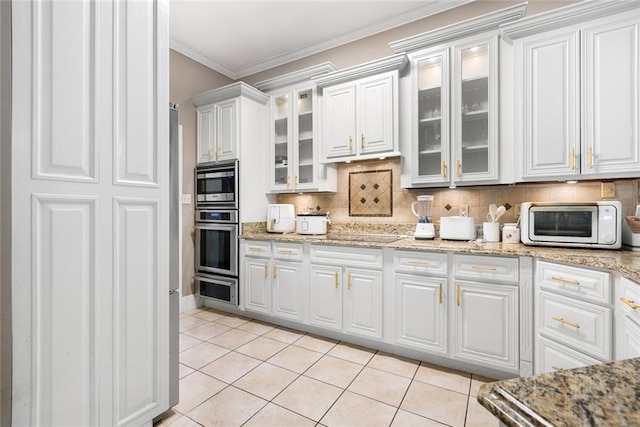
(90, 212)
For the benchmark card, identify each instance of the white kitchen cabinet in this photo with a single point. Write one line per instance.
(295, 138)
(362, 303)
(325, 292)
(360, 110)
(221, 115)
(257, 285)
(452, 100)
(627, 315)
(554, 357)
(577, 92)
(287, 289)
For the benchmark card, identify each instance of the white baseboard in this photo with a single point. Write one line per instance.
(190, 302)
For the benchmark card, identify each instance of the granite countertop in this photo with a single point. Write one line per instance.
(606, 394)
(625, 262)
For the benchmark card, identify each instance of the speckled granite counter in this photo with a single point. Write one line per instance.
(606, 394)
(625, 262)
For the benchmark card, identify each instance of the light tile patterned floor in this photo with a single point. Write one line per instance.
(235, 371)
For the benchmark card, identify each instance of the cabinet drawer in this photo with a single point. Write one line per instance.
(350, 256)
(420, 262)
(574, 281)
(629, 301)
(258, 249)
(492, 268)
(582, 325)
(287, 251)
(553, 357)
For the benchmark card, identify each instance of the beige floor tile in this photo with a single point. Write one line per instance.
(208, 315)
(334, 371)
(256, 327)
(274, 415)
(380, 385)
(316, 343)
(202, 354)
(230, 407)
(195, 311)
(207, 331)
(478, 416)
(230, 367)
(285, 335)
(407, 419)
(186, 341)
(266, 381)
(354, 410)
(295, 359)
(352, 353)
(184, 370)
(184, 421)
(169, 417)
(309, 397)
(394, 364)
(436, 403)
(190, 322)
(443, 377)
(233, 339)
(195, 389)
(231, 320)
(476, 382)
(261, 348)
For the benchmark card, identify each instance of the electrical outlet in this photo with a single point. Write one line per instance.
(464, 210)
(186, 199)
(608, 190)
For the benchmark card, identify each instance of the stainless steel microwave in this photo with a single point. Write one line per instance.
(580, 225)
(217, 185)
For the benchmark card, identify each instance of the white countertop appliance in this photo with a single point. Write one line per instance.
(457, 228)
(281, 218)
(421, 208)
(595, 225)
(312, 223)
(631, 231)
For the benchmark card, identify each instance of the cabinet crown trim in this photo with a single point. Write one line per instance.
(230, 91)
(304, 75)
(457, 31)
(389, 63)
(566, 16)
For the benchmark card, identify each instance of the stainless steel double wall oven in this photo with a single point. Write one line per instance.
(217, 230)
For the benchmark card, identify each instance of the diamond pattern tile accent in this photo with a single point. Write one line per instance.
(371, 193)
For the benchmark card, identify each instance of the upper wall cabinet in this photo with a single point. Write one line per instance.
(576, 91)
(294, 160)
(360, 110)
(221, 114)
(451, 102)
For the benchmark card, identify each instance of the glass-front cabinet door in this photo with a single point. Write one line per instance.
(431, 125)
(281, 107)
(474, 111)
(305, 143)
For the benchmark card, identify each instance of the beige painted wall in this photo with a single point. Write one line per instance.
(189, 78)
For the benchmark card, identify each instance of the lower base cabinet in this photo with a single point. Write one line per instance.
(627, 313)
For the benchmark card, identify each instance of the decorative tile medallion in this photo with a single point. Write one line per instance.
(371, 193)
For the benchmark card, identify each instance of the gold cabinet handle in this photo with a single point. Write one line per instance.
(572, 159)
(362, 141)
(563, 280)
(288, 180)
(566, 322)
(210, 151)
(275, 271)
(348, 280)
(285, 251)
(590, 157)
(631, 303)
(440, 293)
(484, 267)
(218, 153)
(444, 169)
(335, 279)
(266, 270)
(458, 297)
(255, 249)
(417, 262)
(350, 144)
(459, 168)
(295, 181)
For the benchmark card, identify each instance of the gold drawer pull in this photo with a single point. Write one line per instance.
(255, 249)
(362, 141)
(335, 279)
(484, 267)
(350, 144)
(275, 271)
(458, 297)
(563, 280)
(572, 159)
(417, 262)
(266, 270)
(444, 169)
(566, 322)
(631, 303)
(590, 159)
(285, 251)
(440, 293)
(348, 280)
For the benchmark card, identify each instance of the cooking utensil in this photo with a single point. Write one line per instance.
(499, 212)
(492, 212)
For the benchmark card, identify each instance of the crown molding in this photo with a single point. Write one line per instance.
(204, 60)
(469, 27)
(230, 91)
(565, 16)
(304, 75)
(390, 63)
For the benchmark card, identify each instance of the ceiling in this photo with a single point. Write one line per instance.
(239, 37)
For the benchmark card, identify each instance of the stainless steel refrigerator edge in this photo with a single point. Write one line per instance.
(174, 251)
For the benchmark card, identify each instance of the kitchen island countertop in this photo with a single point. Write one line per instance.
(605, 394)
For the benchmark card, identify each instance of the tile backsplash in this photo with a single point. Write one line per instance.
(477, 198)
